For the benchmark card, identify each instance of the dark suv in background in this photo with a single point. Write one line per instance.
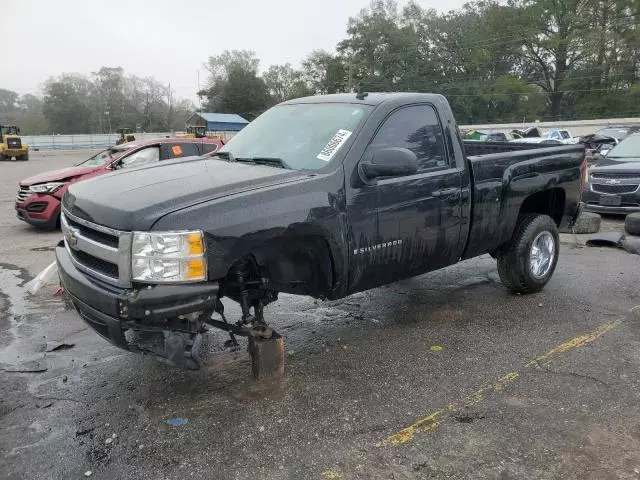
(613, 182)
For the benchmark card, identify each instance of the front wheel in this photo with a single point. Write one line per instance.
(528, 261)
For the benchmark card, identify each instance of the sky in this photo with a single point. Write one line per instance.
(168, 40)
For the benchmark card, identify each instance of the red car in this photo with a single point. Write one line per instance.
(38, 199)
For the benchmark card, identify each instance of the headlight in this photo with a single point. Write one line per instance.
(168, 257)
(46, 187)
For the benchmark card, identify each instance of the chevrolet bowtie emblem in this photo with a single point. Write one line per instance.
(71, 236)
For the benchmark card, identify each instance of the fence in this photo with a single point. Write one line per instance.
(73, 142)
(576, 127)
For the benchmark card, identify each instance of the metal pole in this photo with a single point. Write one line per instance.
(199, 96)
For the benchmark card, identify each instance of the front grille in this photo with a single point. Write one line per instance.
(97, 250)
(96, 235)
(614, 189)
(95, 263)
(14, 143)
(615, 175)
(23, 194)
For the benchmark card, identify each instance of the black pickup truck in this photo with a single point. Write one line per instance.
(322, 196)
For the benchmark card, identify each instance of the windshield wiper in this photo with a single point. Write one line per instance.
(271, 161)
(225, 156)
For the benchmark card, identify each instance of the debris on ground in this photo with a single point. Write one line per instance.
(80, 433)
(44, 404)
(55, 346)
(33, 366)
(88, 473)
(436, 348)
(42, 278)
(617, 240)
(177, 422)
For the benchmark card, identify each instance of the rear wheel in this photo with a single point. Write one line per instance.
(23, 158)
(528, 261)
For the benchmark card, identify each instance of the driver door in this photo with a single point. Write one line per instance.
(420, 215)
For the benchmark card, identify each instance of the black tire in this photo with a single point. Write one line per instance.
(587, 222)
(632, 224)
(514, 258)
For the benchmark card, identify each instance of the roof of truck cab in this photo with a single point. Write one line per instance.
(372, 98)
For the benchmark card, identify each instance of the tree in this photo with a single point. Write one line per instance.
(234, 85)
(30, 118)
(243, 92)
(67, 103)
(325, 73)
(8, 104)
(285, 83)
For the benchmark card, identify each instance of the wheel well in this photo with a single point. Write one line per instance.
(298, 264)
(547, 202)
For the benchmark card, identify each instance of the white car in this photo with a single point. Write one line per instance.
(551, 141)
(564, 136)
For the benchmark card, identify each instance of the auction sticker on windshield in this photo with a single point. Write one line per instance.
(334, 145)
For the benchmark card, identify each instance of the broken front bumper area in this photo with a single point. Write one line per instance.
(170, 312)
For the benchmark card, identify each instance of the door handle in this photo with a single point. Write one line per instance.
(447, 192)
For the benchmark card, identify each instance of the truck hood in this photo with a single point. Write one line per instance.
(135, 199)
(57, 175)
(613, 166)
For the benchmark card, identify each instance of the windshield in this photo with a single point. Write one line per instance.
(9, 131)
(626, 149)
(304, 136)
(617, 133)
(99, 159)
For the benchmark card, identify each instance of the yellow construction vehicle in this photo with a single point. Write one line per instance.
(11, 145)
(194, 132)
(126, 135)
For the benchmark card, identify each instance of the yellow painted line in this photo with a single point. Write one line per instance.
(331, 475)
(577, 342)
(431, 421)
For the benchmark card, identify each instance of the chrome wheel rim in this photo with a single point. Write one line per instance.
(542, 254)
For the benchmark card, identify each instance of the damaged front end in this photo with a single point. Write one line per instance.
(162, 320)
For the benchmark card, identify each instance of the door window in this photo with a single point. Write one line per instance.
(178, 150)
(209, 147)
(418, 129)
(141, 157)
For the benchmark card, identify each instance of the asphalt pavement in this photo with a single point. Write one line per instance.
(441, 376)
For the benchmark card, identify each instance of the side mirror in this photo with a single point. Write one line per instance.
(389, 162)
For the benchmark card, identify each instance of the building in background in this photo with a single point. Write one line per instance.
(217, 122)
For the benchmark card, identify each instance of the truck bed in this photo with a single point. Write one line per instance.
(502, 174)
(477, 147)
